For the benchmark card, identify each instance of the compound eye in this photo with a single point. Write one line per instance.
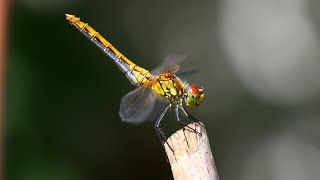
(193, 96)
(194, 89)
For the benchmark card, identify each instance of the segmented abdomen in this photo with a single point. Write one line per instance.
(136, 74)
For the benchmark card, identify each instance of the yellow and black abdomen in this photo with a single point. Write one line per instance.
(136, 74)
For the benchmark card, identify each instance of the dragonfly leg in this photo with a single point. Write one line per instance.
(160, 133)
(190, 116)
(181, 122)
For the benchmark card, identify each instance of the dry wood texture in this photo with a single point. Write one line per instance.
(191, 157)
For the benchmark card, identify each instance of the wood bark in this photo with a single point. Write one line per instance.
(191, 156)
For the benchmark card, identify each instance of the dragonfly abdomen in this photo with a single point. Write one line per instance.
(136, 74)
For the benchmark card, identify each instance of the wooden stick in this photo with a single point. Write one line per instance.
(191, 157)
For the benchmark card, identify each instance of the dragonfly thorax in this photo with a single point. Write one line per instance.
(169, 87)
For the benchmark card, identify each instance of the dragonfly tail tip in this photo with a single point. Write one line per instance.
(69, 16)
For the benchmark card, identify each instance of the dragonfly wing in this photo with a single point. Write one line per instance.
(184, 74)
(170, 64)
(137, 105)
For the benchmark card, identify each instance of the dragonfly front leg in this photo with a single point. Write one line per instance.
(160, 133)
(190, 116)
(181, 122)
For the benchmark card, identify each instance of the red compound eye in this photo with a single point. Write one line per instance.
(194, 89)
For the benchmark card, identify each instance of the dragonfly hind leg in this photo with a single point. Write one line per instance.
(160, 133)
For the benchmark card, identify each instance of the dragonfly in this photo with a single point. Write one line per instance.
(161, 84)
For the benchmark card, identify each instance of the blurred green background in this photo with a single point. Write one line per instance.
(259, 65)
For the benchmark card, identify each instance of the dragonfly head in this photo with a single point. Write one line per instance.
(194, 96)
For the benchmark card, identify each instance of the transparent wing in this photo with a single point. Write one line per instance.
(137, 105)
(170, 64)
(184, 74)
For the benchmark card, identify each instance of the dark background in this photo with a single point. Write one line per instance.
(259, 66)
